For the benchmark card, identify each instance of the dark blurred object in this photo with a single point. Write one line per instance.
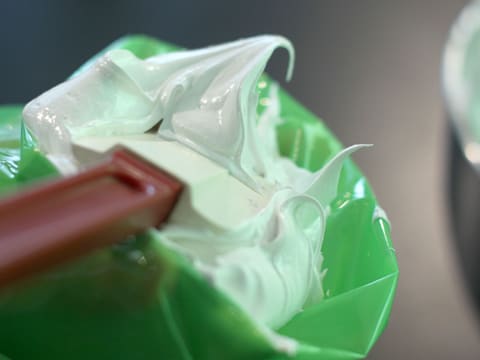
(464, 205)
(461, 85)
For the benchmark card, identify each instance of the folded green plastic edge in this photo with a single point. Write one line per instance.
(140, 300)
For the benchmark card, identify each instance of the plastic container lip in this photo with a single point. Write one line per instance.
(458, 93)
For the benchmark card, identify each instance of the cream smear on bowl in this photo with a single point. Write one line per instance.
(206, 100)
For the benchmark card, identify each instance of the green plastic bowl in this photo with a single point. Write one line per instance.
(111, 306)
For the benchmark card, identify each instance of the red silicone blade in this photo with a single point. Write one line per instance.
(71, 217)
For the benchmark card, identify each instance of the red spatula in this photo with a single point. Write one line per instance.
(70, 217)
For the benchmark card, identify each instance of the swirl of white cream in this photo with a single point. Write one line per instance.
(206, 99)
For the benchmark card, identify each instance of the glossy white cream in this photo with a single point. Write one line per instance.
(206, 100)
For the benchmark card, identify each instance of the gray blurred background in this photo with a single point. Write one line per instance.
(370, 69)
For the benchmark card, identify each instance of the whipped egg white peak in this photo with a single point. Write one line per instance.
(206, 99)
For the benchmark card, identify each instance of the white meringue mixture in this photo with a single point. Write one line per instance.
(206, 99)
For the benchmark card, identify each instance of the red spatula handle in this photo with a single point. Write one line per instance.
(70, 217)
